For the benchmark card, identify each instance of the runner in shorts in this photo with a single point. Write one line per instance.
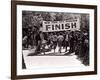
(54, 39)
(60, 40)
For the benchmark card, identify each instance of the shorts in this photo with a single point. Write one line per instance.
(59, 43)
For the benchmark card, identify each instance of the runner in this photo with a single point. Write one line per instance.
(54, 39)
(60, 40)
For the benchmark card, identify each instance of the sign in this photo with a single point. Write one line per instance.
(50, 26)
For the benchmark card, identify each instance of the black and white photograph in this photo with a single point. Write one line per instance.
(56, 34)
(54, 39)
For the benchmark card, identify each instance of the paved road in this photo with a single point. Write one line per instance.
(50, 61)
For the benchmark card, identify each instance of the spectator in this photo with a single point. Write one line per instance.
(72, 42)
(38, 42)
(66, 41)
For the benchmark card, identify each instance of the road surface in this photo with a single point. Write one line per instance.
(46, 60)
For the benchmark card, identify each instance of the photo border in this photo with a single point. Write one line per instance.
(14, 39)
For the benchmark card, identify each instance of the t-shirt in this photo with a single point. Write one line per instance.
(60, 38)
(54, 37)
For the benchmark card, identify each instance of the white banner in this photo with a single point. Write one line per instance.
(50, 26)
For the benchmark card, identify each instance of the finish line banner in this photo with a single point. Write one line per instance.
(50, 26)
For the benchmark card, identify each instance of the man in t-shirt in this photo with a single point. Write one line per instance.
(60, 40)
(54, 39)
